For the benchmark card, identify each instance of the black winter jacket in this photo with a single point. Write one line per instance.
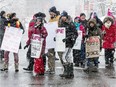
(71, 32)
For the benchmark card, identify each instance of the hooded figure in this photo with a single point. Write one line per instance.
(39, 29)
(93, 30)
(109, 39)
(71, 35)
(32, 25)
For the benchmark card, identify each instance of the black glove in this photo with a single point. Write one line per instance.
(64, 40)
(100, 48)
(86, 36)
(26, 46)
(54, 39)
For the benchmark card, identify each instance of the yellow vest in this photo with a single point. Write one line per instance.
(54, 19)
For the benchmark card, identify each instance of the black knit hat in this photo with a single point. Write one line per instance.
(64, 13)
(2, 13)
(82, 14)
(53, 9)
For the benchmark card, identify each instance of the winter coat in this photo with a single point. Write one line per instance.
(109, 37)
(42, 32)
(54, 19)
(84, 23)
(81, 28)
(2, 25)
(71, 32)
(31, 25)
(94, 31)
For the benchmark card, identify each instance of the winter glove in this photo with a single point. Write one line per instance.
(54, 38)
(100, 49)
(64, 40)
(26, 46)
(86, 36)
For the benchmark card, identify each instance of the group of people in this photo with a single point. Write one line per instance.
(9, 20)
(106, 31)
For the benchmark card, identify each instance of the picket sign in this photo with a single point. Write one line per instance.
(12, 39)
(36, 46)
(77, 44)
(93, 47)
(51, 29)
(60, 35)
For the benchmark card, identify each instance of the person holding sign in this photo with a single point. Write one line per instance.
(71, 35)
(13, 22)
(31, 26)
(77, 51)
(93, 40)
(54, 17)
(37, 40)
(109, 40)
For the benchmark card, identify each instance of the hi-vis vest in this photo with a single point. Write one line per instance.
(17, 24)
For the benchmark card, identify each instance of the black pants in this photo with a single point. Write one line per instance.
(1, 51)
(76, 56)
(109, 55)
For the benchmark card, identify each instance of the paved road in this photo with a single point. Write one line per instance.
(104, 78)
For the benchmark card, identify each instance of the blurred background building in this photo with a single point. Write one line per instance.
(26, 8)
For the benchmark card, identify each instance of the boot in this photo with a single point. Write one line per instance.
(30, 66)
(5, 67)
(65, 70)
(70, 70)
(16, 67)
(44, 60)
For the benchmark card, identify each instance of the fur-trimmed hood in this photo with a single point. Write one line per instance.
(93, 20)
(108, 18)
(69, 20)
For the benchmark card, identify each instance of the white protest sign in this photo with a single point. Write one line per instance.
(12, 39)
(51, 29)
(60, 35)
(36, 46)
(77, 44)
(93, 47)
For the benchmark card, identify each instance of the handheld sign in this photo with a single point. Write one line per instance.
(93, 47)
(36, 46)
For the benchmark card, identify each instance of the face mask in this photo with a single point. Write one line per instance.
(107, 25)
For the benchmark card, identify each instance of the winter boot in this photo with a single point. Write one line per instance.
(44, 60)
(30, 66)
(16, 67)
(65, 70)
(70, 70)
(5, 67)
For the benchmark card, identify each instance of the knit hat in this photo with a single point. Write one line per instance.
(53, 9)
(2, 13)
(64, 13)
